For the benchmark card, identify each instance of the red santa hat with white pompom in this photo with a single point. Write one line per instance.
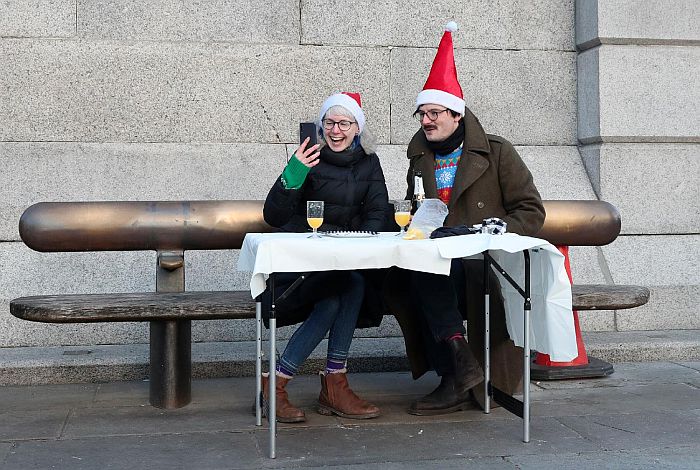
(350, 101)
(442, 86)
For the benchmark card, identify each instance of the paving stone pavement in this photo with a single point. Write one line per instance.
(646, 415)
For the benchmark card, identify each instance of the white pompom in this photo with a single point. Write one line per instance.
(451, 27)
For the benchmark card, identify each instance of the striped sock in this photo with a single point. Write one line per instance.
(335, 367)
(284, 372)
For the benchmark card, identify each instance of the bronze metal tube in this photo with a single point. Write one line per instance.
(124, 226)
(580, 223)
(213, 225)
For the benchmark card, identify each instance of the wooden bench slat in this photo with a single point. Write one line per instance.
(143, 306)
(150, 306)
(608, 297)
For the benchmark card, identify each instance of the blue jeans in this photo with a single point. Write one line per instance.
(335, 315)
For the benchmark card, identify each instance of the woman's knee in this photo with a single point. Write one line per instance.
(329, 306)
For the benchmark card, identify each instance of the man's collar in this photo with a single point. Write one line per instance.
(475, 137)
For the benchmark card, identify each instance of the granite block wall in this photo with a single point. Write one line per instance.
(130, 100)
(638, 70)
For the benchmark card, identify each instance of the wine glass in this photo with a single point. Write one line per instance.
(402, 215)
(314, 215)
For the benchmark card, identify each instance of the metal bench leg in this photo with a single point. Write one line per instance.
(258, 363)
(171, 364)
(171, 341)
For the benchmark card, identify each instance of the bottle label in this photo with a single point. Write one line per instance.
(418, 193)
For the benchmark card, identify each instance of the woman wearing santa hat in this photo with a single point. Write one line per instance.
(344, 172)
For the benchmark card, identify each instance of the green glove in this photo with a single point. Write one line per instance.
(294, 174)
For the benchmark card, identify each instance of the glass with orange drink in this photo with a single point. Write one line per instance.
(402, 215)
(314, 216)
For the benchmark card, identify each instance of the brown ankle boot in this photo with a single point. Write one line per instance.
(467, 371)
(454, 392)
(286, 412)
(442, 400)
(337, 398)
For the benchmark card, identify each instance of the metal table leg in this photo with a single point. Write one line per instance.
(258, 363)
(511, 404)
(487, 336)
(272, 383)
(526, 349)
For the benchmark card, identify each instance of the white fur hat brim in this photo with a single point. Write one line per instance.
(340, 99)
(442, 98)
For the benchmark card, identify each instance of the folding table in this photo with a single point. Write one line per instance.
(533, 271)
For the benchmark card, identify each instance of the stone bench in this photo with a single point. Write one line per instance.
(171, 228)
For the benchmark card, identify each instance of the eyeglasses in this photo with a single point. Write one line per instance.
(432, 114)
(329, 124)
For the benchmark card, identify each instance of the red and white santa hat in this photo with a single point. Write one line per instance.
(442, 86)
(350, 101)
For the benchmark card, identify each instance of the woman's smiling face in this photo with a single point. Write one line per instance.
(336, 138)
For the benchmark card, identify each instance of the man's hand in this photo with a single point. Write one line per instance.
(309, 157)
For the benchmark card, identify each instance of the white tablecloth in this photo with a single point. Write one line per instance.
(552, 327)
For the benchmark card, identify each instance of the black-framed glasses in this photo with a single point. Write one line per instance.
(329, 124)
(432, 114)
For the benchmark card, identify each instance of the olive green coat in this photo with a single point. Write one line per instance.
(491, 181)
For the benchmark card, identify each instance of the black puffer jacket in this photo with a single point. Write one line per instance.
(351, 183)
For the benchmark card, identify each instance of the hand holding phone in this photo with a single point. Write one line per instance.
(307, 151)
(308, 129)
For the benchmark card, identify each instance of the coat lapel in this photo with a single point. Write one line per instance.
(472, 164)
(471, 167)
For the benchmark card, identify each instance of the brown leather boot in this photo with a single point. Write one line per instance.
(468, 372)
(337, 398)
(286, 412)
(453, 393)
(442, 400)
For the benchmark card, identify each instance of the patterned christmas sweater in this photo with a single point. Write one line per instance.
(445, 170)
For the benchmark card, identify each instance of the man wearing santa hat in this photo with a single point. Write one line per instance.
(478, 176)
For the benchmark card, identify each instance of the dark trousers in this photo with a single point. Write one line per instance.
(421, 347)
(442, 308)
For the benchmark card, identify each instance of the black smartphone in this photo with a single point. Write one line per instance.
(308, 129)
